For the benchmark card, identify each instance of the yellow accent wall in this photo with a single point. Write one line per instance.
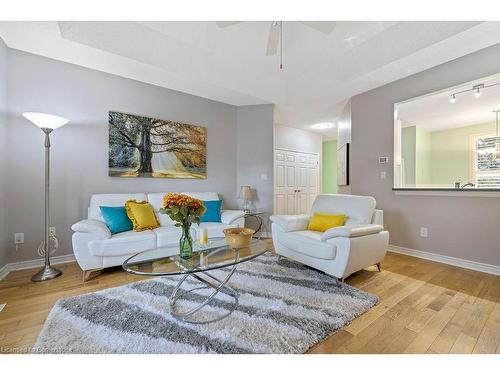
(441, 157)
(450, 152)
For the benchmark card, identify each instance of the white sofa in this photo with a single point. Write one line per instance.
(95, 248)
(339, 251)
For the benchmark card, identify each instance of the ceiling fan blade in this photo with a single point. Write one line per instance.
(223, 24)
(274, 38)
(326, 27)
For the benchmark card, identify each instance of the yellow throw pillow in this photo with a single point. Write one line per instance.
(142, 215)
(322, 222)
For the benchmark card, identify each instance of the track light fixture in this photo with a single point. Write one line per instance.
(477, 89)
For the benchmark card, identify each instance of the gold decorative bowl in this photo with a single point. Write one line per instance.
(238, 237)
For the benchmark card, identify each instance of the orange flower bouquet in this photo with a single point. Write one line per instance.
(184, 211)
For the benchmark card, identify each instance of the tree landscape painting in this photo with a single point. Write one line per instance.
(148, 147)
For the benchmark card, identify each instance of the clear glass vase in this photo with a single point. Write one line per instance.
(186, 243)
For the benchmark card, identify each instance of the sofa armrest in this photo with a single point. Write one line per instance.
(291, 223)
(92, 226)
(230, 216)
(350, 231)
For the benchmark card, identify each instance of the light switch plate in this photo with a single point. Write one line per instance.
(383, 175)
(263, 176)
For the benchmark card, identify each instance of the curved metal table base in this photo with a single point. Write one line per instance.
(211, 282)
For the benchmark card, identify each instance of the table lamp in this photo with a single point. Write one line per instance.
(46, 123)
(246, 193)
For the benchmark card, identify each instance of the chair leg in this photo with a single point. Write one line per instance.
(338, 282)
(379, 266)
(279, 257)
(89, 274)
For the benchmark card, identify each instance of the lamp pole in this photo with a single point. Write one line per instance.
(47, 123)
(47, 272)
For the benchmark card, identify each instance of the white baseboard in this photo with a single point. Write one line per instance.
(9, 267)
(458, 262)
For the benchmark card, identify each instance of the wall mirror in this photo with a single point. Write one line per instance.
(449, 139)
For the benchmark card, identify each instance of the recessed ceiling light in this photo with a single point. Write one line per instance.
(322, 125)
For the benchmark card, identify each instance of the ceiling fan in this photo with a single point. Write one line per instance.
(276, 33)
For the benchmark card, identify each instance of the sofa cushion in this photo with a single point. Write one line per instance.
(307, 242)
(214, 229)
(203, 196)
(123, 243)
(110, 200)
(167, 236)
(358, 209)
(156, 201)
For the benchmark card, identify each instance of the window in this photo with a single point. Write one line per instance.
(486, 161)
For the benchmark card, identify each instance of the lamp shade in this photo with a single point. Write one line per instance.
(246, 192)
(45, 120)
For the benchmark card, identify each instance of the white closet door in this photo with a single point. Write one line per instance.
(291, 182)
(296, 181)
(279, 183)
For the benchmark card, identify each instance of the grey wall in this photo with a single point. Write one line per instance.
(255, 152)
(80, 149)
(4, 238)
(463, 227)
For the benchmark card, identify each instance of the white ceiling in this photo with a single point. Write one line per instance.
(230, 65)
(435, 112)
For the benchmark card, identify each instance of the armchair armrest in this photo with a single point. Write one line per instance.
(92, 226)
(291, 223)
(350, 231)
(230, 216)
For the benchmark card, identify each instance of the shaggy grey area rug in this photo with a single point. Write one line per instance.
(284, 307)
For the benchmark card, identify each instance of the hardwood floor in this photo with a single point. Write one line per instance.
(425, 307)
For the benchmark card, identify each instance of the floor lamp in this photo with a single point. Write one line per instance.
(46, 123)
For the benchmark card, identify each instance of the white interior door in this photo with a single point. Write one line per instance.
(296, 181)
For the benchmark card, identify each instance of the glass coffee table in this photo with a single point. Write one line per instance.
(216, 255)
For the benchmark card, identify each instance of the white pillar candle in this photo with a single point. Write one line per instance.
(203, 236)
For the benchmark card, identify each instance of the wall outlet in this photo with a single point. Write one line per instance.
(52, 231)
(424, 232)
(383, 175)
(18, 238)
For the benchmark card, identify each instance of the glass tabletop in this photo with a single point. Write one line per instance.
(161, 262)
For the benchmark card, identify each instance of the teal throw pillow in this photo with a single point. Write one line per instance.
(116, 219)
(213, 212)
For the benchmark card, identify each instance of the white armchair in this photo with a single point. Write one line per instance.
(339, 251)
